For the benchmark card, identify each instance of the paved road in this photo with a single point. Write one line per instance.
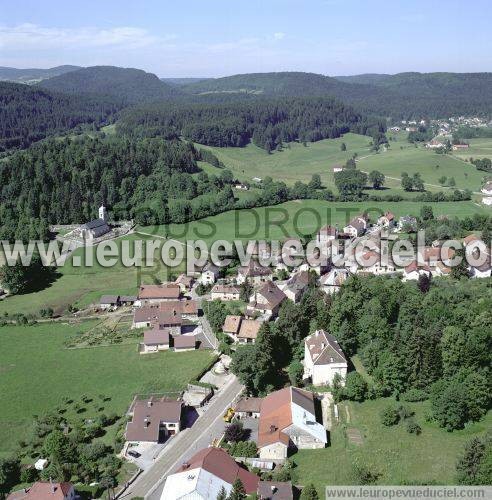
(208, 426)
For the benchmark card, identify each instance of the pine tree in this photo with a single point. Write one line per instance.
(237, 492)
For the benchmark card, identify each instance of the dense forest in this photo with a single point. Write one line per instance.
(417, 342)
(127, 84)
(267, 122)
(28, 114)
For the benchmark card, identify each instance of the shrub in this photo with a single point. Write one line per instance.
(412, 427)
(414, 395)
(390, 416)
(234, 432)
(404, 412)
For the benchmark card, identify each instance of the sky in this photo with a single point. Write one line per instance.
(211, 38)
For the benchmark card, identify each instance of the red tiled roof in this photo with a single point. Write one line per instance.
(232, 324)
(41, 490)
(156, 336)
(218, 462)
(166, 291)
(184, 341)
(249, 329)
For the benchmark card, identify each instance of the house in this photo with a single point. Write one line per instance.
(296, 285)
(356, 227)
(225, 292)
(45, 490)
(183, 343)
(160, 317)
(209, 274)
(154, 294)
(323, 358)
(187, 308)
(205, 474)
(407, 223)
(127, 300)
(413, 271)
(155, 340)
(266, 301)
(108, 302)
(153, 420)
(457, 147)
(145, 317)
(241, 187)
(325, 234)
(248, 408)
(374, 263)
(254, 273)
(184, 282)
(435, 144)
(387, 220)
(94, 229)
(487, 188)
(332, 281)
(232, 325)
(275, 490)
(471, 238)
(487, 200)
(248, 331)
(442, 270)
(337, 168)
(288, 421)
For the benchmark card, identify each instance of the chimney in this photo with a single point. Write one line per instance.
(146, 422)
(149, 403)
(323, 345)
(273, 428)
(273, 488)
(52, 486)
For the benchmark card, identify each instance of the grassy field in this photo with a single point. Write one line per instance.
(479, 148)
(37, 371)
(391, 452)
(299, 163)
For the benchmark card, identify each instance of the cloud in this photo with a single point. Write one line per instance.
(279, 35)
(29, 36)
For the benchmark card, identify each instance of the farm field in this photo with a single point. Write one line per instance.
(117, 372)
(479, 148)
(299, 163)
(396, 456)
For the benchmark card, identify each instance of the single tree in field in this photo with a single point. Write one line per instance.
(406, 182)
(442, 180)
(452, 182)
(377, 179)
(418, 183)
(343, 147)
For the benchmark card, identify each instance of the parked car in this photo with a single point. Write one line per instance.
(134, 454)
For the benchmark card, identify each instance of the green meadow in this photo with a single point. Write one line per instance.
(391, 453)
(37, 371)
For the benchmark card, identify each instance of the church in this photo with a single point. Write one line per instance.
(97, 227)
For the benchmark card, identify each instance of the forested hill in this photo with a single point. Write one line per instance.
(267, 122)
(282, 84)
(28, 114)
(405, 95)
(32, 75)
(128, 84)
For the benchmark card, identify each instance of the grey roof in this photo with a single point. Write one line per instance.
(275, 490)
(109, 299)
(93, 224)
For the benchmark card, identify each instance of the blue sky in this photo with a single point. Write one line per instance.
(206, 38)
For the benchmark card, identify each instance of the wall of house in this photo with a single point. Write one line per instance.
(324, 374)
(275, 451)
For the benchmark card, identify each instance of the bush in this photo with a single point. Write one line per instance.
(414, 395)
(413, 428)
(244, 449)
(234, 432)
(29, 475)
(355, 387)
(404, 412)
(390, 416)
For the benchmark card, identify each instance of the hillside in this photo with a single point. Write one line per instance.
(129, 84)
(33, 75)
(29, 113)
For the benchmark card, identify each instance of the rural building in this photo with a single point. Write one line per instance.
(153, 294)
(487, 200)
(487, 188)
(288, 421)
(94, 229)
(225, 292)
(248, 408)
(482, 271)
(333, 280)
(188, 309)
(183, 343)
(296, 285)
(145, 317)
(155, 340)
(248, 331)
(184, 282)
(266, 301)
(323, 358)
(45, 490)
(337, 168)
(275, 490)
(205, 474)
(232, 325)
(457, 147)
(153, 420)
(109, 302)
(356, 227)
(326, 234)
(471, 238)
(387, 220)
(254, 272)
(209, 274)
(413, 271)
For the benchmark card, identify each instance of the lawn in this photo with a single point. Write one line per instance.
(391, 452)
(37, 371)
(479, 148)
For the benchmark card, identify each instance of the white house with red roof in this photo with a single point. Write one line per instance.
(45, 490)
(323, 358)
(357, 226)
(387, 220)
(205, 474)
(288, 421)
